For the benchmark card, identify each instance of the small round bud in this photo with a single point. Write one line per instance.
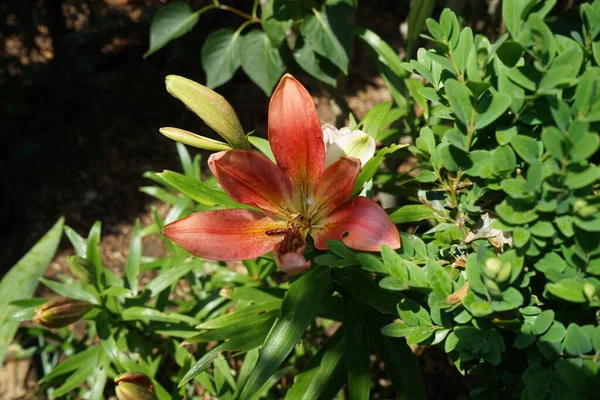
(491, 267)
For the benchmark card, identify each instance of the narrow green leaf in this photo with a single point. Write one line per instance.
(72, 291)
(263, 145)
(357, 351)
(324, 374)
(417, 15)
(132, 267)
(198, 191)
(298, 310)
(401, 365)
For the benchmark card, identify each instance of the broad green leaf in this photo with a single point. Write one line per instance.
(543, 322)
(491, 108)
(170, 22)
(579, 176)
(22, 279)
(426, 176)
(463, 49)
(576, 341)
(356, 337)
(261, 61)
(503, 160)
(516, 213)
(526, 147)
(221, 56)
(460, 98)
(412, 213)
(197, 190)
(438, 278)
(585, 147)
(132, 267)
(315, 64)
(567, 289)
(318, 33)
(298, 310)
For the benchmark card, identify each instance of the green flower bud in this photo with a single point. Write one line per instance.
(191, 139)
(504, 273)
(211, 107)
(491, 267)
(590, 291)
(61, 312)
(492, 286)
(134, 386)
(82, 268)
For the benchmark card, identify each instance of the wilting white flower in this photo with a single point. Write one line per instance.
(347, 143)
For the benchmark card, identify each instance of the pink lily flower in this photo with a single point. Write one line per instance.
(296, 197)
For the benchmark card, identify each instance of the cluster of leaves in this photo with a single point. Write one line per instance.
(315, 35)
(506, 279)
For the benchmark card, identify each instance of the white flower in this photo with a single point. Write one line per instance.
(347, 143)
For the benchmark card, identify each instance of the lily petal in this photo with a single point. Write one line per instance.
(360, 224)
(251, 178)
(350, 144)
(226, 235)
(335, 185)
(295, 134)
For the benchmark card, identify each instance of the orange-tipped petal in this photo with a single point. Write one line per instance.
(251, 178)
(295, 134)
(226, 235)
(335, 185)
(361, 224)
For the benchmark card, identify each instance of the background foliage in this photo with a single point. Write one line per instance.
(500, 231)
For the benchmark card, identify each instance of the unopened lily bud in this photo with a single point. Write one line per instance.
(191, 139)
(347, 143)
(491, 267)
(211, 107)
(82, 268)
(134, 386)
(61, 312)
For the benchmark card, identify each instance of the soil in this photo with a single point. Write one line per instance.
(79, 126)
